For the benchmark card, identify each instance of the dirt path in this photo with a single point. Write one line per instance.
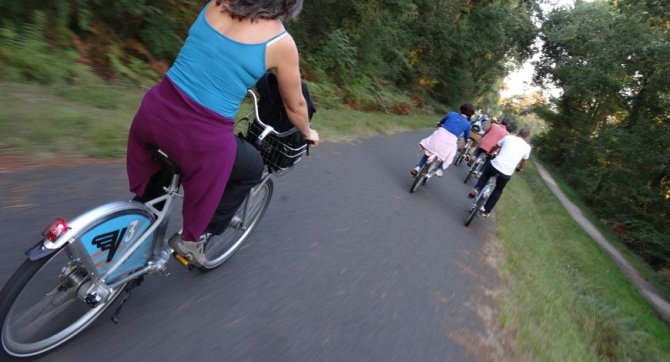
(660, 305)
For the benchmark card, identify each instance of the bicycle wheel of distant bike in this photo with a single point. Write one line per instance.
(473, 170)
(461, 155)
(420, 178)
(476, 205)
(220, 248)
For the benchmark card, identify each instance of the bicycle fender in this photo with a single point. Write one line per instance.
(83, 221)
(39, 251)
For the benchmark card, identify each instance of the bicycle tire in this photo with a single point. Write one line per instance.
(430, 172)
(420, 178)
(221, 247)
(479, 201)
(11, 294)
(468, 176)
(461, 155)
(473, 170)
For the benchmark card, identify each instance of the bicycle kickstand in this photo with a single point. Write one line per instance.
(128, 289)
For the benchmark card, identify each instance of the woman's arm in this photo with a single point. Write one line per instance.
(283, 57)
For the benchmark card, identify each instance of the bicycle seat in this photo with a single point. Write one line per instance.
(163, 158)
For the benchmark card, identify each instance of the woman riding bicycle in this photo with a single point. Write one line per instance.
(443, 141)
(494, 133)
(189, 114)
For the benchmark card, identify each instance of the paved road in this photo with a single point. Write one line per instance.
(347, 265)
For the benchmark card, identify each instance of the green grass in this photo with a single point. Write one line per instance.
(561, 296)
(637, 262)
(50, 120)
(94, 121)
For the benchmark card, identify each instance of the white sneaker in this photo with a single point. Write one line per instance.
(194, 251)
(439, 172)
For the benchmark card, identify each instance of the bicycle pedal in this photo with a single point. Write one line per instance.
(180, 258)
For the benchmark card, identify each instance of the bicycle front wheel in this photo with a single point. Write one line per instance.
(420, 179)
(40, 308)
(221, 247)
(479, 201)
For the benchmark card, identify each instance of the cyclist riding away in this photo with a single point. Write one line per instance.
(494, 133)
(513, 154)
(443, 142)
(189, 114)
(479, 123)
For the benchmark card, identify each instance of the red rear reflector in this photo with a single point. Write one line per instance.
(55, 230)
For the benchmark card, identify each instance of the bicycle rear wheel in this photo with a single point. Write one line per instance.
(473, 170)
(479, 201)
(420, 179)
(40, 308)
(461, 155)
(220, 248)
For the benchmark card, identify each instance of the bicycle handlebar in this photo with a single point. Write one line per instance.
(267, 129)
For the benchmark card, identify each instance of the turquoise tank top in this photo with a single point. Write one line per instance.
(216, 71)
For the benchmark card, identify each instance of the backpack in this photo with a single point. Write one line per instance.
(272, 112)
(270, 106)
(477, 126)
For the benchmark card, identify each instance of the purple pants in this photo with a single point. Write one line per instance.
(200, 141)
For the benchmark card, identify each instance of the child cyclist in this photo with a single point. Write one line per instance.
(444, 140)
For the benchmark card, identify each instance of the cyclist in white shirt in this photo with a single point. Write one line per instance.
(513, 153)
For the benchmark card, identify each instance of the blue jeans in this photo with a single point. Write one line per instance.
(422, 161)
(477, 152)
(489, 171)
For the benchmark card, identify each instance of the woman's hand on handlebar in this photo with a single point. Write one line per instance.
(312, 138)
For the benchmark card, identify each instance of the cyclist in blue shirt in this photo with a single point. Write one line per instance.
(443, 141)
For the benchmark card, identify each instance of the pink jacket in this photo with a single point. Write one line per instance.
(441, 143)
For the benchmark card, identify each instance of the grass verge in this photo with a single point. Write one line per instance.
(640, 265)
(50, 120)
(561, 296)
(93, 122)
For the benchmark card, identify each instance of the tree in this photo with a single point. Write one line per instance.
(610, 125)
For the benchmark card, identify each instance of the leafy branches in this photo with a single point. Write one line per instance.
(393, 54)
(609, 134)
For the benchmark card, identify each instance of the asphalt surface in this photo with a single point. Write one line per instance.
(346, 265)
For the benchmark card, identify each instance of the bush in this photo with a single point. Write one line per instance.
(26, 54)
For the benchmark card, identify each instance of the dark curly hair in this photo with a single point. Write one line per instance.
(261, 9)
(467, 109)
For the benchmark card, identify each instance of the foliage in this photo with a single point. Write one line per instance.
(93, 120)
(26, 55)
(608, 131)
(521, 111)
(112, 38)
(392, 55)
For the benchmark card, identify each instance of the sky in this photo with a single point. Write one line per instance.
(520, 81)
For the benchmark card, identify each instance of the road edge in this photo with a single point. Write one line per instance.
(660, 305)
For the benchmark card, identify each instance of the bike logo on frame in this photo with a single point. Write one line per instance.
(109, 241)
